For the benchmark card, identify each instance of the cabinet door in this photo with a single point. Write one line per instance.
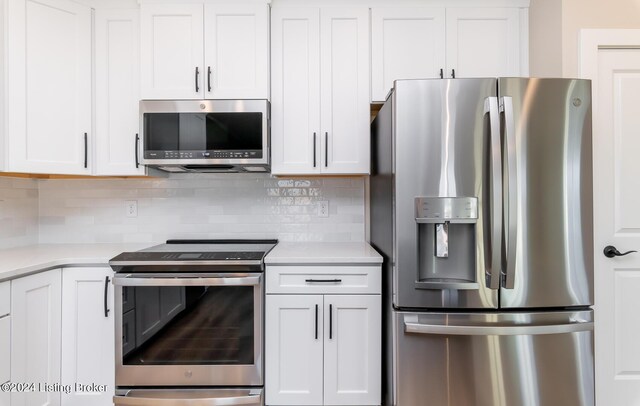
(49, 86)
(344, 90)
(295, 95)
(406, 43)
(172, 51)
(88, 347)
(117, 43)
(352, 350)
(35, 336)
(483, 42)
(236, 51)
(293, 349)
(5, 349)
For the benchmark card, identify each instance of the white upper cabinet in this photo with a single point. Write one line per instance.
(172, 43)
(236, 51)
(295, 95)
(395, 51)
(117, 93)
(48, 86)
(344, 92)
(427, 42)
(320, 97)
(205, 51)
(483, 42)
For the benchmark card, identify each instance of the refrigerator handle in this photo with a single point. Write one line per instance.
(511, 209)
(573, 327)
(495, 189)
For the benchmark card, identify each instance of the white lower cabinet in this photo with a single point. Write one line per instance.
(88, 349)
(35, 336)
(322, 349)
(62, 335)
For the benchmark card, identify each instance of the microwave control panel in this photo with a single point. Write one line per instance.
(203, 154)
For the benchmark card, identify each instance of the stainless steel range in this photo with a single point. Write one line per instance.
(189, 323)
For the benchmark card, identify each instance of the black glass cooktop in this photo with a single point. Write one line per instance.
(194, 251)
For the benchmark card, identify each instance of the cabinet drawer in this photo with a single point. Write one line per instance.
(5, 298)
(5, 349)
(323, 279)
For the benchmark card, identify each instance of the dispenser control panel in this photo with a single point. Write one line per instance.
(446, 209)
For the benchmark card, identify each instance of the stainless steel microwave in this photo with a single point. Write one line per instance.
(206, 135)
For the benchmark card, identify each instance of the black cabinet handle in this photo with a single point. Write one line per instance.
(209, 78)
(137, 150)
(326, 149)
(441, 73)
(453, 73)
(316, 322)
(197, 80)
(106, 297)
(314, 150)
(610, 252)
(86, 150)
(330, 322)
(323, 280)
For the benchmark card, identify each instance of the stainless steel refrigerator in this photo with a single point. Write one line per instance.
(481, 205)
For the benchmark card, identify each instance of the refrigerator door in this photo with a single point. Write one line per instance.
(489, 359)
(447, 200)
(547, 167)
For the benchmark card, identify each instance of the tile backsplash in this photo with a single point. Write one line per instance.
(200, 206)
(18, 212)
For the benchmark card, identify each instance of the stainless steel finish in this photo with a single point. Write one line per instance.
(442, 240)
(450, 209)
(186, 280)
(487, 359)
(189, 397)
(449, 283)
(198, 263)
(554, 212)
(511, 205)
(493, 249)
(209, 106)
(438, 141)
(192, 375)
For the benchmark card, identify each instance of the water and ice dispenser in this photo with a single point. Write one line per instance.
(446, 242)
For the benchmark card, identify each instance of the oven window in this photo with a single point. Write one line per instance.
(203, 131)
(188, 325)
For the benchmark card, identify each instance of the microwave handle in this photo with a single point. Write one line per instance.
(203, 280)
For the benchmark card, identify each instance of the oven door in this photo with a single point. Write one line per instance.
(189, 329)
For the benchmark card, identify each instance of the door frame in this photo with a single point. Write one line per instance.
(592, 41)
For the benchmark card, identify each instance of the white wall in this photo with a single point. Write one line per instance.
(205, 206)
(18, 212)
(554, 30)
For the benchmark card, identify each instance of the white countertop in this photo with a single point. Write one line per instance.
(23, 261)
(323, 253)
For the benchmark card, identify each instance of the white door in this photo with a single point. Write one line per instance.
(236, 51)
(172, 51)
(483, 42)
(35, 337)
(88, 333)
(117, 91)
(293, 348)
(616, 90)
(344, 79)
(49, 86)
(406, 43)
(352, 350)
(295, 91)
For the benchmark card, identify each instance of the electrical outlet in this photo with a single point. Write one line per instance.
(323, 208)
(132, 208)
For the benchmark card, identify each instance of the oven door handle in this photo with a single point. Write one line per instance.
(139, 401)
(188, 281)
